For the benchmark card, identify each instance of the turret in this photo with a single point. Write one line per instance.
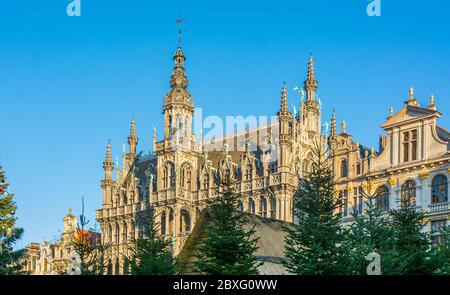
(107, 182)
(133, 139)
(285, 134)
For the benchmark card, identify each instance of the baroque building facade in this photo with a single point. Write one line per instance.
(50, 258)
(178, 178)
(411, 165)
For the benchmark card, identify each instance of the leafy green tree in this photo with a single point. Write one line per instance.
(316, 244)
(228, 248)
(9, 233)
(150, 253)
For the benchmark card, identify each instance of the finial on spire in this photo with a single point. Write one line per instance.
(310, 67)
(108, 164)
(411, 92)
(333, 123)
(344, 127)
(284, 102)
(179, 22)
(108, 158)
(391, 111)
(133, 139)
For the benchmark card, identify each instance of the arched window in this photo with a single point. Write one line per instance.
(439, 189)
(197, 213)
(273, 208)
(163, 223)
(169, 176)
(408, 196)
(263, 207)
(117, 234)
(110, 233)
(186, 177)
(383, 198)
(185, 222)
(305, 168)
(205, 181)
(125, 232)
(240, 206)
(358, 169)
(248, 171)
(344, 168)
(132, 231)
(170, 229)
(251, 206)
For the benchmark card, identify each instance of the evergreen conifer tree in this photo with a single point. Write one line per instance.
(9, 233)
(369, 232)
(150, 253)
(316, 244)
(411, 251)
(228, 248)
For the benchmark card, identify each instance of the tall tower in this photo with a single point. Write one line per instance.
(311, 110)
(178, 107)
(285, 133)
(107, 182)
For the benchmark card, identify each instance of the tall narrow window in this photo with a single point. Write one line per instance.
(405, 146)
(414, 145)
(409, 145)
(251, 206)
(439, 189)
(117, 233)
(345, 202)
(248, 171)
(382, 198)
(408, 196)
(344, 168)
(358, 169)
(263, 207)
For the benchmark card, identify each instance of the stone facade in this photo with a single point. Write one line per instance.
(50, 258)
(412, 163)
(177, 178)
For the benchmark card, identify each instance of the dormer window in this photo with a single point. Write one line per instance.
(409, 145)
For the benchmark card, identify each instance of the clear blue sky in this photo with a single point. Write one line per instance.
(69, 84)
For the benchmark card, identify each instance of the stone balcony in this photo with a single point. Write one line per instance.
(439, 207)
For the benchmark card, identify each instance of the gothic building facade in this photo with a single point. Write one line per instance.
(178, 178)
(412, 164)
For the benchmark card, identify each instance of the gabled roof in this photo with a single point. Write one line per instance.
(409, 113)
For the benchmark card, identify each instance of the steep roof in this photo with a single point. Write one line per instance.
(271, 235)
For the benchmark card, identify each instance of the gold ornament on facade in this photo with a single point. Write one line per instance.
(424, 175)
(392, 181)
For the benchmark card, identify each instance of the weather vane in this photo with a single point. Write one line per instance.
(179, 22)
